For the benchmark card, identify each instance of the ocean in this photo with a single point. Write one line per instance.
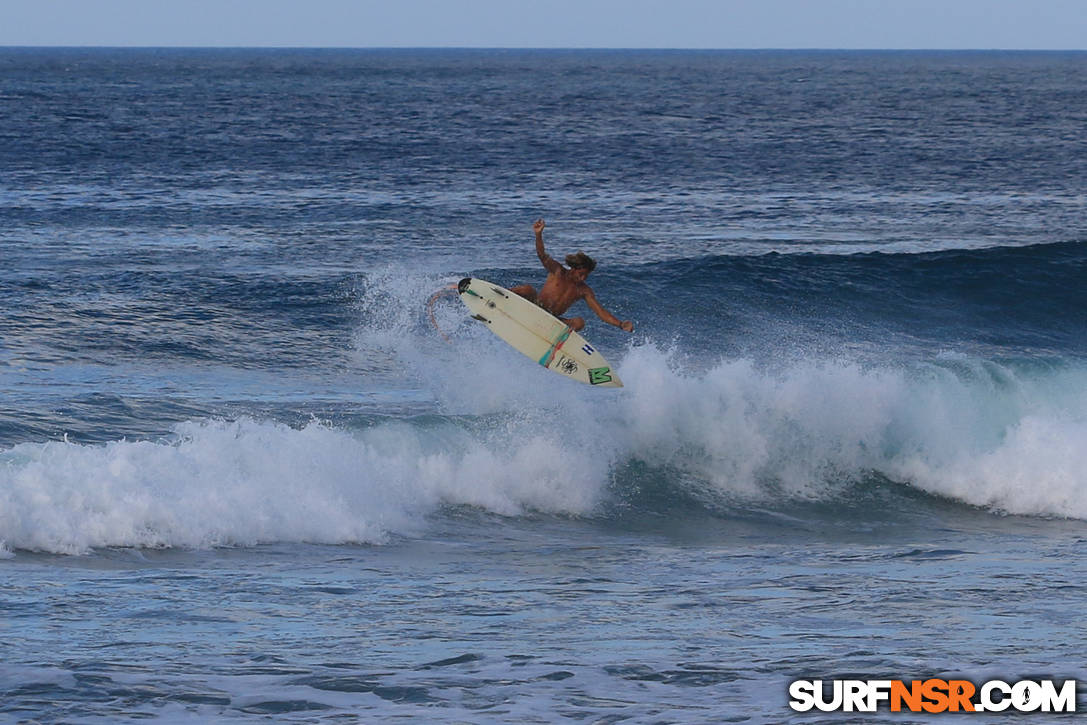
(243, 477)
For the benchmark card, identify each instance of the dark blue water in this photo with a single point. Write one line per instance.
(242, 475)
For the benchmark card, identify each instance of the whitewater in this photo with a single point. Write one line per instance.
(734, 434)
(242, 475)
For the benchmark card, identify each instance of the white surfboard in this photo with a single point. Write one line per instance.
(536, 333)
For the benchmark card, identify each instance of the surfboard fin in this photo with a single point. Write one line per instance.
(481, 318)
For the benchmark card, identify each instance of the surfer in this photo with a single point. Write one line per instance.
(563, 287)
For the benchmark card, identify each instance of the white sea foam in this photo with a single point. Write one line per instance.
(245, 482)
(515, 439)
(973, 431)
(969, 431)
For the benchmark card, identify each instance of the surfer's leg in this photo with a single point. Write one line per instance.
(575, 323)
(525, 290)
(449, 291)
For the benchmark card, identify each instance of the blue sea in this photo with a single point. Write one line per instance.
(244, 478)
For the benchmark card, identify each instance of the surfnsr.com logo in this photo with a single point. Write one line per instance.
(933, 696)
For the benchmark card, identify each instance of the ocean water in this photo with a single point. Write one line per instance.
(242, 477)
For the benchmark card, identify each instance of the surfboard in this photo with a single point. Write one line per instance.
(536, 333)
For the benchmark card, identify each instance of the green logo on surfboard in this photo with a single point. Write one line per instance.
(599, 375)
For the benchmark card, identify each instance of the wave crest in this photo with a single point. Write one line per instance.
(1010, 439)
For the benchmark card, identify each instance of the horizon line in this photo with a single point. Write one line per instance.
(542, 48)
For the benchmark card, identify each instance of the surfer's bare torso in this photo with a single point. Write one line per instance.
(561, 290)
(563, 287)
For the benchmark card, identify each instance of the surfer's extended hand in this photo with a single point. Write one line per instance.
(627, 326)
(538, 226)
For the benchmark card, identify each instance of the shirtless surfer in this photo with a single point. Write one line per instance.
(564, 287)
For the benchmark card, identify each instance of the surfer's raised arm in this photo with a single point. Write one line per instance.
(564, 287)
(590, 300)
(549, 264)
